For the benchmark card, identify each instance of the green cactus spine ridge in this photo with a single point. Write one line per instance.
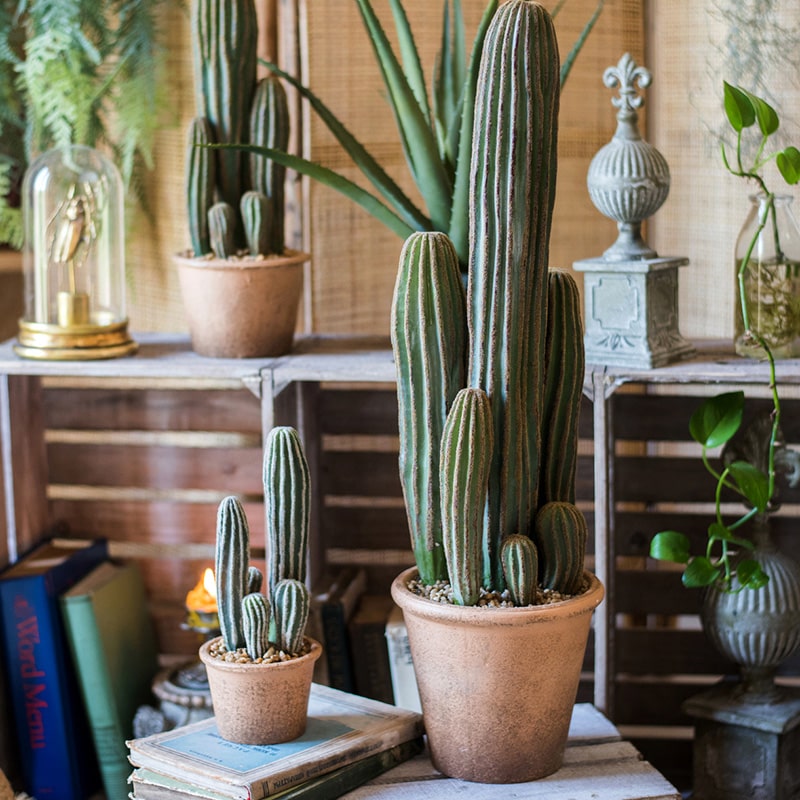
(257, 213)
(255, 624)
(428, 339)
(466, 456)
(200, 177)
(287, 501)
(231, 569)
(269, 127)
(292, 603)
(561, 535)
(222, 229)
(224, 38)
(513, 192)
(520, 561)
(563, 390)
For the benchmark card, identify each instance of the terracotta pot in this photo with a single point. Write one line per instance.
(242, 308)
(260, 703)
(497, 686)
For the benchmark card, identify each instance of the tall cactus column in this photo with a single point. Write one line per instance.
(513, 190)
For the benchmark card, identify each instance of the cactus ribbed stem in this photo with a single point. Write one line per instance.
(465, 461)
(255, 624)
(224, 35)
(231, 569)
(513, 190)
(561, 535)
(563, 390)
(428, 339)
(255, 580)
(291, 604)
(200, 177)
(520, 561)
(222, 230)
(256, 211)
(269, 127)
(287, 501)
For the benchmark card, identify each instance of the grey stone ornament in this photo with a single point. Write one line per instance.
(630, 293)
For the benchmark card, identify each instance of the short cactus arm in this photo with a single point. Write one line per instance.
(257, 211)
(287, 501)
(520, 561)
(563, 389)
(255, 580)
(292, 603)
(465, 461)
(255, 624)
(231, 569)
(269, 127)
(428, 339)
(561, 535)
(222, 229)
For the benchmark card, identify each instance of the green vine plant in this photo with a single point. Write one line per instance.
(436, 132)
(719, 418)
(77, 72)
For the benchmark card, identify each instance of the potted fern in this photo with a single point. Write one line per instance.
(489, 387)
(261, 665)
(241, 286)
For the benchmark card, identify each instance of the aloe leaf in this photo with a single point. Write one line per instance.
(418, 139)
(368, 165)
(459, 219)
(717, 419)
(566, 64)
(410, 56)
(738, 108)
(449, 77)
(332, 180)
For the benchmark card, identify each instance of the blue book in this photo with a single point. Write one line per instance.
(54, 739)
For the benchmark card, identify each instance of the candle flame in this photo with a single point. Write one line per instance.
(210, 583)
(203, 597)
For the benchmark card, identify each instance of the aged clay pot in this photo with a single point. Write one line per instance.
(497, 686)
(260, 703)
(242, 308)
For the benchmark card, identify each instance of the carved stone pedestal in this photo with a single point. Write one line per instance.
(631, 312)
(746, 747)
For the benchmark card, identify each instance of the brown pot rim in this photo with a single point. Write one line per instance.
(232, 666)
(491, 616)
(288, 258)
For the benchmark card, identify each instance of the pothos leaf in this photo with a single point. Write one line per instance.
(750, 574)
(717, 419)
(670, 546)
(768, 121)
(788, 162)
(752, 482)
(700, 572)
(738, 108)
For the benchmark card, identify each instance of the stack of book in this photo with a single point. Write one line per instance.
(349, 740)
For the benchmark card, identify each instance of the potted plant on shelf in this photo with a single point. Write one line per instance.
(261, 665)
(489, 389)
(436, 135)
(751, 607)
(241, 286)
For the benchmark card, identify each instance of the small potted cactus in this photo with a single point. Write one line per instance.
(241, 286)
(261, 665)
(499, 605)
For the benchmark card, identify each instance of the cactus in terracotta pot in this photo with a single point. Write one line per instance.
(233, 107)
(516, 450)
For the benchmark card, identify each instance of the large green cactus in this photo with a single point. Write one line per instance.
(428, 338)
(466, 457)
(525, 347)
(513, 191)
(231, 569)
(287, 501)
(200, 178)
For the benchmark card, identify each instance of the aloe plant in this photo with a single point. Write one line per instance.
(717, 420)
(436, 134)
(248, 618)
(524, 329)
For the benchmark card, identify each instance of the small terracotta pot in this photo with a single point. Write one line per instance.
(497, 686)
(242, 308)
(260, 703)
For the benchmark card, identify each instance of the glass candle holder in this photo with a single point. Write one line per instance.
(73, 258)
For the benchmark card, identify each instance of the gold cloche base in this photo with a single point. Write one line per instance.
(76, 343)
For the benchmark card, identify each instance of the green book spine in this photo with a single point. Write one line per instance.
(114, 650)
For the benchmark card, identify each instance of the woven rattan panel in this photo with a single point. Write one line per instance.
(354, 259)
